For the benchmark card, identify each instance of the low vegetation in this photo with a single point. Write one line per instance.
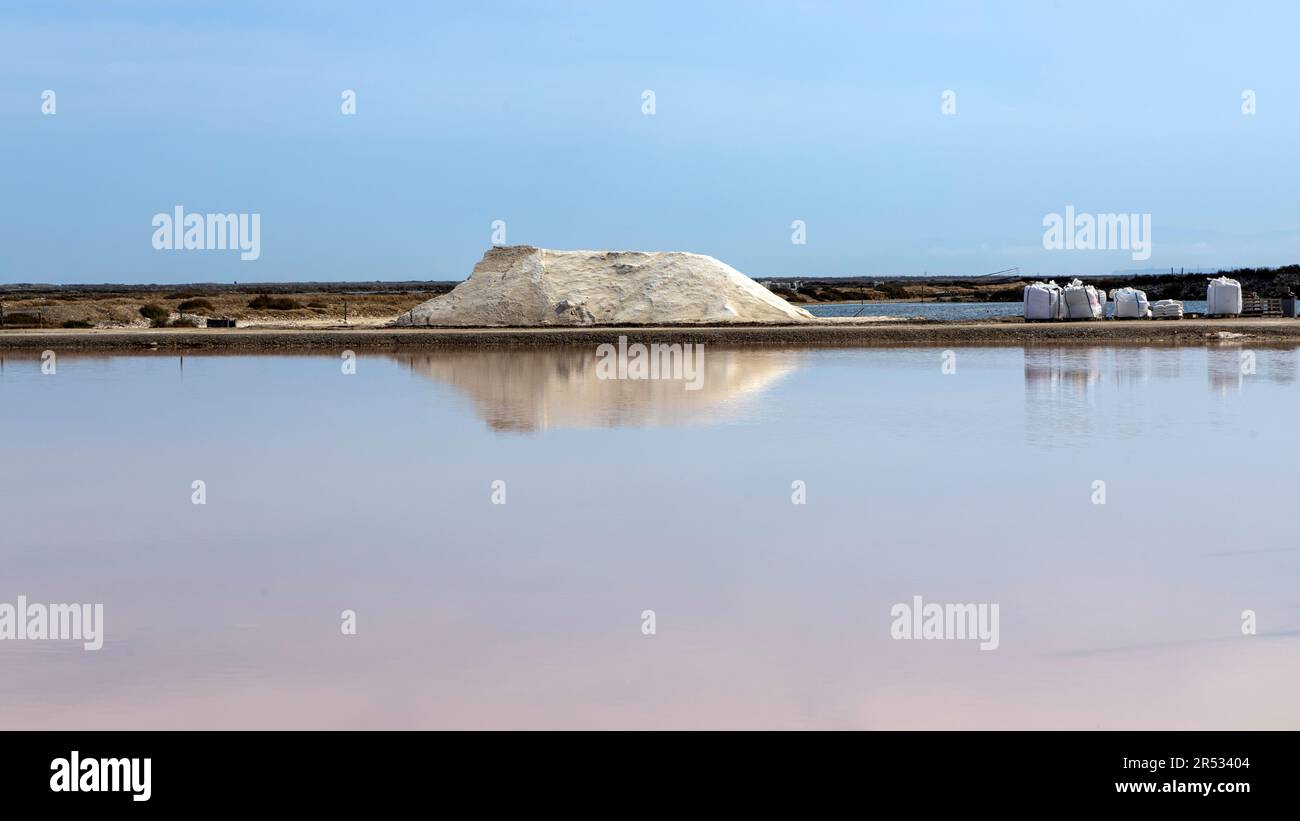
(155, 313)
(265, 302)
(1264, 282)
(119, 306)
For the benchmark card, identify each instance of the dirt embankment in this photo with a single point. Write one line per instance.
(253, 340)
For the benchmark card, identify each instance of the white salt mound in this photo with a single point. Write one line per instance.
(518, 286)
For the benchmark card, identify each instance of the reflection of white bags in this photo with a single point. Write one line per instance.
(1081, 301)
(1223, 296)
(1043, 300)
(1130, 303)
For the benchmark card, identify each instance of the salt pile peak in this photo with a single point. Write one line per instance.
(523, 286)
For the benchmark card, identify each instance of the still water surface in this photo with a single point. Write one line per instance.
(372, 492)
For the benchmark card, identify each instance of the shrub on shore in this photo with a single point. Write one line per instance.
(195, 305)
(274, 303)
(155, 313)
(20, 319)
(893, 290)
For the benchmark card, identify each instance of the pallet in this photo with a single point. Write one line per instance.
(1256, 306)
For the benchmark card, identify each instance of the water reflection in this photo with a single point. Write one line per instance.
(1051, 371)
(1058, 389)
(1069, 374)
(1224, 367)
(526, 390)
(1073, 394)
(1278, 364)
(771, 614)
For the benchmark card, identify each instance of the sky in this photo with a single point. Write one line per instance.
(534, 114)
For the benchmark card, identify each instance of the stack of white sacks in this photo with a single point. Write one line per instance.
(1167, 309)
(1130, 303)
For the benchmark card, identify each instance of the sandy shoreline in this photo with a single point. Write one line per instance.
(1184, 332)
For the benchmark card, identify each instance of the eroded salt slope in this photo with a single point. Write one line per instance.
(521, 286)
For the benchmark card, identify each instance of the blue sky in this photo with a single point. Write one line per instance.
(531, 113)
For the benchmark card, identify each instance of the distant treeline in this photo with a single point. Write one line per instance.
(1265, 282)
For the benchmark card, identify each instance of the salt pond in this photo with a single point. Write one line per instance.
(373, 492)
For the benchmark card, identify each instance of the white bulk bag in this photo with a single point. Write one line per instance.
(1223, 296)
(1081, 301)
(1042, 300)
(1130, 303)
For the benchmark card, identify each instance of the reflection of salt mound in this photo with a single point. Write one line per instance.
(520, 286)
(536, 389)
